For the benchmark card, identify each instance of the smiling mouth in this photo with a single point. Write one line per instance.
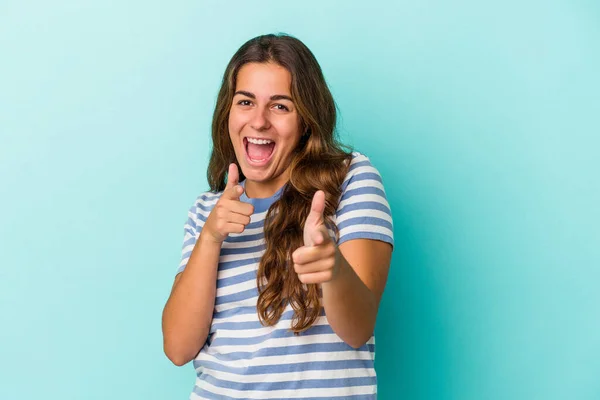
(258, 153)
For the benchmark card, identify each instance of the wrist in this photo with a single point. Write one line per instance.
(206, 239)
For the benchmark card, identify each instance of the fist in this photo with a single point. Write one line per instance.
(317, 260)
(229, 215)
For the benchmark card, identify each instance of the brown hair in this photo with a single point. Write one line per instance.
(318, 163)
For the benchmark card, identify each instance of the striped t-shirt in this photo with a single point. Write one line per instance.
(242, 359)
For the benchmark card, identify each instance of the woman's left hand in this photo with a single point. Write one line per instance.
(317, 260)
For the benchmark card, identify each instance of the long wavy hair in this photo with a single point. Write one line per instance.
(320, 162)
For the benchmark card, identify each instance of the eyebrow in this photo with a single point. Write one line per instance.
(274, 97)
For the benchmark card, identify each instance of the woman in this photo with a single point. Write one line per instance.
(284, 261)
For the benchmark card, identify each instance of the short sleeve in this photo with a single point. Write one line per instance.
(363, 211)
(191, 231)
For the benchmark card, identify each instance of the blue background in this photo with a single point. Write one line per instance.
(483, 120)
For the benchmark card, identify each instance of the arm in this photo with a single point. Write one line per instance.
(188, 313)
(352, 274)
(351, 299)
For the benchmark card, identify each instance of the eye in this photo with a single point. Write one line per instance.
(283, 107)
(244, 101)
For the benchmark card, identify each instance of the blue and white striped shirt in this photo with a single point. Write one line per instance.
(243, 359)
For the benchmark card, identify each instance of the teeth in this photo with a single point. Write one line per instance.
(259, 141)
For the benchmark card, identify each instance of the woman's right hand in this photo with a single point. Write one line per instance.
(229, 215)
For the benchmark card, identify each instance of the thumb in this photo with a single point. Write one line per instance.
(314, 220)
(317, 208)
(232, 189)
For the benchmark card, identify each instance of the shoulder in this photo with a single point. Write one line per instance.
(361, 168)
(202, 206)
(363, 211)
(207, 199)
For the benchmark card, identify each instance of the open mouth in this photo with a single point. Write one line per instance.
(258, 153)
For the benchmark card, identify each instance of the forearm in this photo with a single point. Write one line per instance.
(350, 306)
(188, 313)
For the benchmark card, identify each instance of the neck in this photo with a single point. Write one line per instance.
(263, 190)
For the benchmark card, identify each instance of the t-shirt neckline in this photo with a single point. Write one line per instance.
(260, 203)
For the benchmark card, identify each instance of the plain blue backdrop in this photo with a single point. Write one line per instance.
(483, 120)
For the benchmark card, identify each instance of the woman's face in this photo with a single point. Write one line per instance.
(262, 109)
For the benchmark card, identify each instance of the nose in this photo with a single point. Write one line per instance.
(260, 120)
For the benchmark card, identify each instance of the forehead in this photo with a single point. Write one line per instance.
(264, 78)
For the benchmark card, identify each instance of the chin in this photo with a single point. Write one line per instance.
(257, 176)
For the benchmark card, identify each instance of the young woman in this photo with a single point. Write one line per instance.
(285, 259)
